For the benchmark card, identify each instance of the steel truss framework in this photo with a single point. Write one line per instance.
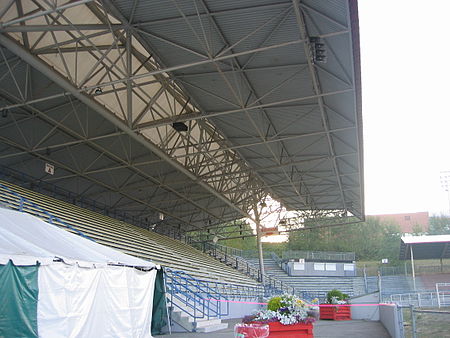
(95, 87)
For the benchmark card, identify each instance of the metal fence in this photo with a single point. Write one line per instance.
(405, 269)
(319, 255)
(425, 322)
(418, 299)
(443, 294)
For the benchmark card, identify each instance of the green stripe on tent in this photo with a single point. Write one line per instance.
(18, 300)
(159, 313)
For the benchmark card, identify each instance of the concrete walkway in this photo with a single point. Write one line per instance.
(322, 329)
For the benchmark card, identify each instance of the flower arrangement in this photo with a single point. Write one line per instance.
(336, 297)
(336, 306)
(286, 309)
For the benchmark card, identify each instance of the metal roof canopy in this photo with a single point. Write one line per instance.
(95, 87)
(425, 247)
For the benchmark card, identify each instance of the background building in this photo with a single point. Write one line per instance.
(408, 222)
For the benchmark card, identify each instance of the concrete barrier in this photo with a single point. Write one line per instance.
(392, 320)
(366, 312)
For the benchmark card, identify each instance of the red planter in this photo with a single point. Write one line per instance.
(252, 330)
(291, 331)
(335, 312)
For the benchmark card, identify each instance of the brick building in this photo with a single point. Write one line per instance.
(407, 221)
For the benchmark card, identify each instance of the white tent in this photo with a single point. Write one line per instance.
(84, 289)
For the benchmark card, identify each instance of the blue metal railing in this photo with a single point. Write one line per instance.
(222, 253)
(24, 205)
(194, 296)
(237, 291)
(52, 190)
(55, 191)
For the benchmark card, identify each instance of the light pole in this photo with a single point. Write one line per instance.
(445, 183)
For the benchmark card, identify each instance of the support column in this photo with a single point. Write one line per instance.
(259, 243)
(412, 267)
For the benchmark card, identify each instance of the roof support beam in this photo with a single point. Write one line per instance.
(66, 85)
(46, 12)
(56, 124)
(59, 28)
(317, 90)
(198, 116)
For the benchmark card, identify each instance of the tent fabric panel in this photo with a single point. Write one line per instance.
(159, 314)
(27, 238)
(108, 301)
(18, 300)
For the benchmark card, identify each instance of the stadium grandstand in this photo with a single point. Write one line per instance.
(153, 126)
(424, 285)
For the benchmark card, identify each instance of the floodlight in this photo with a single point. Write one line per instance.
(180, 126)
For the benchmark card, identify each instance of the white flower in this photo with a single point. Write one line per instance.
(292, 310)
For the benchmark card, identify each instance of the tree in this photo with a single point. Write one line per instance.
(439, 225)
(370, 240)
(417, 229)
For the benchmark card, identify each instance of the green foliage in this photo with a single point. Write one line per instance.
(370, 240)
(338, 295)
(439, 225)
(274, 303)
(417, 229)
(278, 248)
(246, 243)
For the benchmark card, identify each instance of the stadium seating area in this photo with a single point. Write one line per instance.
(177, 255)
(313, 286)
(429, 281)
(125, 237)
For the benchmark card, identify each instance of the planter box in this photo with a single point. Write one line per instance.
(252, 330)
(336, 312)
(291, 331)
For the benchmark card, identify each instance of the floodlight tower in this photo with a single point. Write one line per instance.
(445, 183)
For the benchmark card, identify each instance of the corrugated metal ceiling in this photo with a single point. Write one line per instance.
(263, 118)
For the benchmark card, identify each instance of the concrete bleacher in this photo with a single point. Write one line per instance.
(396, 284)
(429, 281)
(127, 238)
(314, 285)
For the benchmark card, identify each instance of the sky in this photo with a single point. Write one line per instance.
(405, 70)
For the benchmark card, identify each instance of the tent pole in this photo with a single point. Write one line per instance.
(412, 266)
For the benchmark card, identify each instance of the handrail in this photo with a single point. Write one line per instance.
(55, 191)
(23, 207)
(272, 285)
(196, 295)
(223, 290)
(189, 278)
(68, 195)
(235, 291)
(275, 257)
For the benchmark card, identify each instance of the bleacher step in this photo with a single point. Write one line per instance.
(212, 328)
(207, 322)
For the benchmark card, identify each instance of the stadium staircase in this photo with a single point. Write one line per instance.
(278, 281)
(230, 256)
(183, 263)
